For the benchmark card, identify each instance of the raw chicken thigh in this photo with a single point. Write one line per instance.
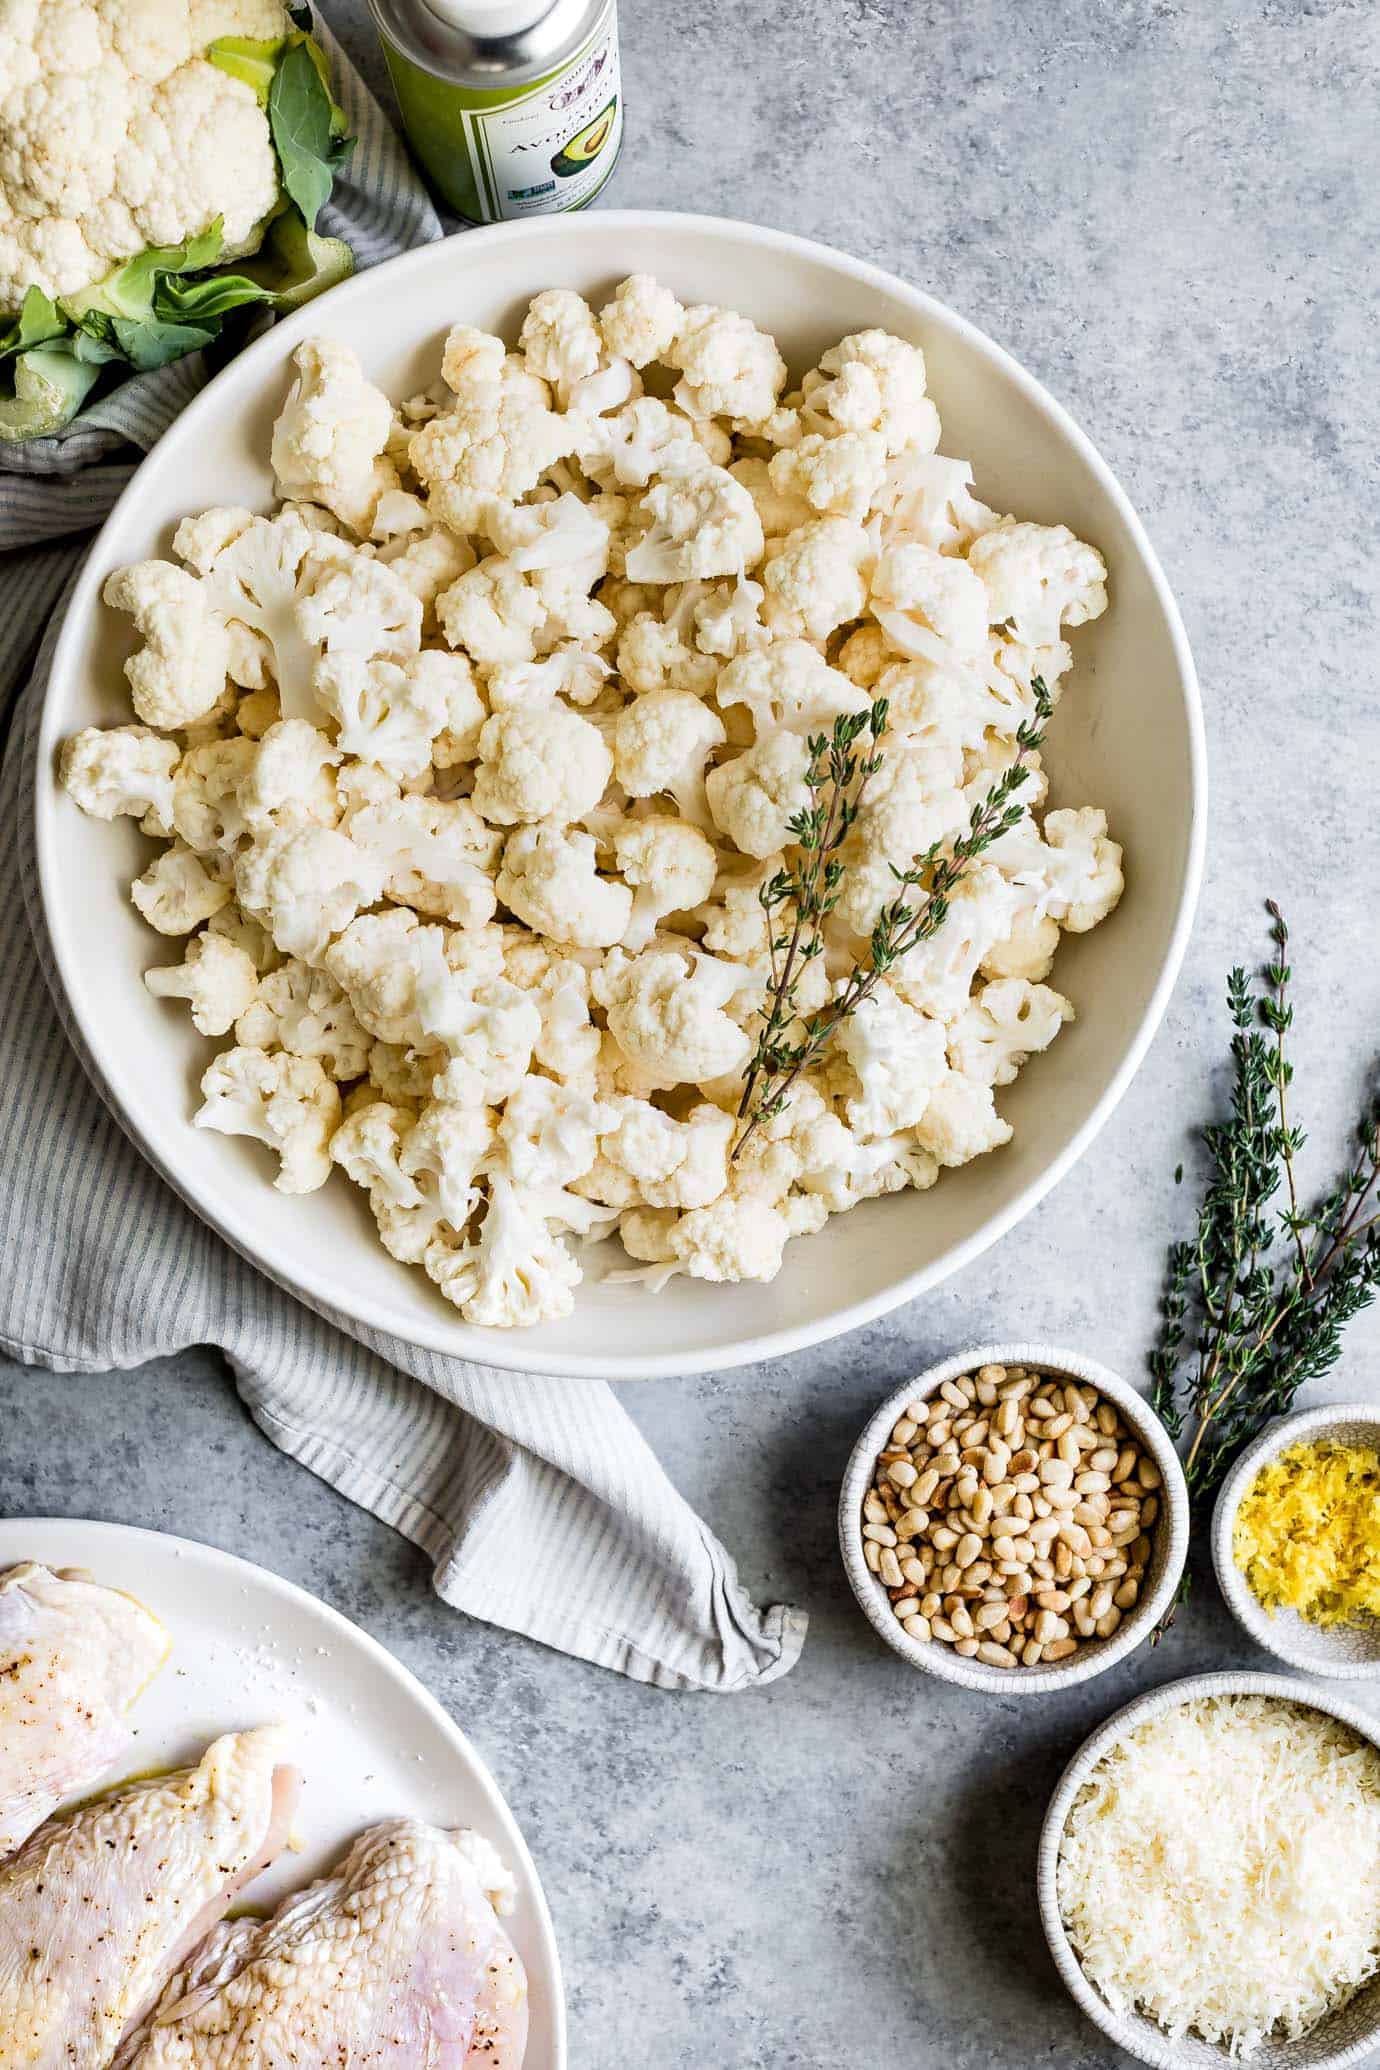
(73, 1657)
(397, 1961)
(100, 1907)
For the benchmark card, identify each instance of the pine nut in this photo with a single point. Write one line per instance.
(931, 1605)
(966, 1648)
(994, 1655)
(1108, 1624)
(917, 1628)
(1055, 1599)
(1147, 1473)
(952, 1392)
(942, 1629)
(1060, 1649)
(904, 1431)
(925, 1486)
(1127, 1595)
(907, 1607)
(913, 1571)
(901, 1473)
(889, 1568)
(1069, 1449)
(1031, 1653)
(882, 1534)
(872, 1554)
(961, 1622)
(987, 1615)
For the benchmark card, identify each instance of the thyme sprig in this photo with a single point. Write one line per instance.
(1254, 1304)
(799, 898)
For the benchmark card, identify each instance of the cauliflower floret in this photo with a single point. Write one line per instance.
(914, 801)
(201, 539)
(284, 1101)
(442, 1154)
(872, 382)
(120, 769)
(306, 884)
(499, 439)
(305, 1012)
(930, 498)
(389, 712)
(790, 685)
(493, 612)
(652, 655)
(206, 807)
(217, 980)
(646, 438)
(329, 441)
(701, 525)
(549, 879)
(1038, 578)
(813, 579)
(179, 672)
(671, 868)
(779, 509)
(427, 562)
(732, 1239)
(571, 671)
(864, 655)
(640, 320)
(646, 1234)
(558, 986)
(560, 340)
(929, 604)
(563, 535)
(518, 1273)
(1027, 952)
(727, 620)
(253, 585)
(289, 780)
(755, 797)
(548, 764)
(360, 607)
(897, 1056)
(1004, 1024)
(548, 1137)
(176, 892)
(661, 742)
(1073, 873)
(668, 1015)
(246, 934)
(840, 476)
(735, 923)
(728, 367)
(864, 1171)
(937, 975)
(647, 1157)
(960, 1122)
(439, 854)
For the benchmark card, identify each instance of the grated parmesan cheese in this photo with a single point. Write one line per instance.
(1220, 1871)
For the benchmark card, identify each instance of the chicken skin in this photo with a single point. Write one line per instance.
(100, 1907)
(73, 1657)
(395, 1961)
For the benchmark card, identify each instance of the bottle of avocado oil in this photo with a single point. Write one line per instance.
(513, 107)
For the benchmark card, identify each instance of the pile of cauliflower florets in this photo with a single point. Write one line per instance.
(470, 761)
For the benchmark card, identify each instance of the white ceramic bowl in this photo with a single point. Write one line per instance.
(1170, 1547)
(1346, 1653)
(1345, 2038)
(1128, 736)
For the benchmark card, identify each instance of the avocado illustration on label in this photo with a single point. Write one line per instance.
(583, 149)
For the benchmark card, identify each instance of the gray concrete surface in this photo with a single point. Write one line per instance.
(1169, 212)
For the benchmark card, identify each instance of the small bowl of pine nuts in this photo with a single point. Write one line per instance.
(1014, 1518)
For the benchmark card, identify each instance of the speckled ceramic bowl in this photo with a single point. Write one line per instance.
(1347, 2037)
(1167, 1557)
(1346, 1653)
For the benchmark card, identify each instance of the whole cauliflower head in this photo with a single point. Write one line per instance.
(119, 135)
(284, 1101)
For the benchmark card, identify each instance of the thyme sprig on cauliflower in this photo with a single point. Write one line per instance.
(480, 770)
(165, 167)
(811, 890)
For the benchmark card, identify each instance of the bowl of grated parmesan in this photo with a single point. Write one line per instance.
(1209, 1876)
(1296, 1540)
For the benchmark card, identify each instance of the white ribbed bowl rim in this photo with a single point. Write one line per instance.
(1140, 2037)
(1167, 1558)
(1348, 1653)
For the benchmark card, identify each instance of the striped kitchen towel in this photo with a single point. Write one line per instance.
(537, 1500)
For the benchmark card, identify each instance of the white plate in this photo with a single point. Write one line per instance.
(1128, 736)
(252, 1649)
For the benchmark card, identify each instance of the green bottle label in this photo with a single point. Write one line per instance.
(497, 155)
